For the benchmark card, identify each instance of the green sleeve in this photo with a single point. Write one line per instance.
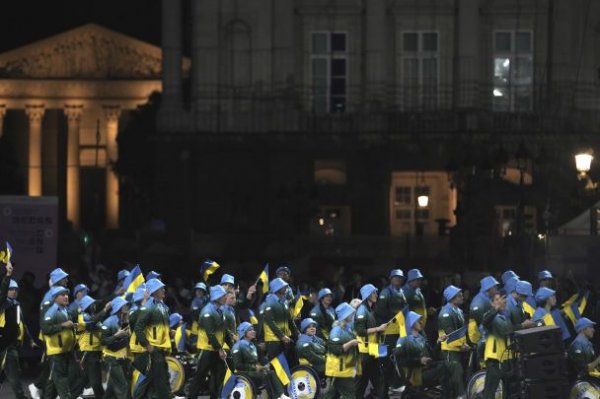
(382, 308)
(269, 318)
(140, 326)
(210, 327)
(107, 337)
(446, 323)
(52, 326)
(360, 325)
(476, 315)
(307, 353)
(488, 319)
(293, 327)
(335, 347)
(503, 327)
(4, 291)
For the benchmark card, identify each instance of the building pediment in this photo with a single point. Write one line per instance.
(88, 52)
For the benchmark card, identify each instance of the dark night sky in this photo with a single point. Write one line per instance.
(27, 21)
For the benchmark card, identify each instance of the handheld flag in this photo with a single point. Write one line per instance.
(299, 304)
(560, 322)
(397, 326)
(180, 337)
(137, 380)
(9, 252)
(252, 317)
(529, 306)
(208, 268)
(457, 335)
(134, 280)
(282, 370)
(228, 383)
(264, 277)
(377, 350)
(575, 306)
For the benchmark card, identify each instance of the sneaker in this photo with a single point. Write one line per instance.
(284, 397)
(178, 397)
(88, 392)
(397, 389)
(34, 392)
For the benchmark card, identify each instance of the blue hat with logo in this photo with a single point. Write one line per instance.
(174, 319)
(414, 274)
(450, 292)
(117, 304)
(307, 323)
(201, 286)
(488, 282)
(543, 293)
(510, 284)
(153, 285)
(277, 284)
(544, 275)
(243, 328)
(583, 323)
(13, 285)
(80, 287)
(396, 273)
(508, 274)
(367, 290)
(86, 302)
(524, 288)
(123, 274)
(324, 292)
(344, 310)
(55, 291)
(152, 274)
(284, 269)
(412, 318)
(56, 275)
(217, 292)
(227, 279)
(139, 293)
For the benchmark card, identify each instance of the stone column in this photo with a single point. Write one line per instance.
(468, 75)
(35, 113)
(171, 55)
(73, 113)
(2, 113)
(111, 116)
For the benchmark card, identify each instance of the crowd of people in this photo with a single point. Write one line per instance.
(358, 338)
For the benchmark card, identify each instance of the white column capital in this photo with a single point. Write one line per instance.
(112, 112)
(73, 112)
(35, 112)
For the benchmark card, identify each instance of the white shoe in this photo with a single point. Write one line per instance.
(34, 392)
(398, 389)
(88, 392)
(178, 397)
(284, 397)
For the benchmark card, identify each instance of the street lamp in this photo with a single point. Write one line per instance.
(583, 164)
(423, 200)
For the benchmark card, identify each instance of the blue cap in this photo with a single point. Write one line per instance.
(227, 279)
(396, 273)
(488, 282)
(450, 292)
(243, 328)
(80, 287)
(152, 275)
(277, 284)
(583, 323)
(508, 274)
(153, 285)
(117, 304)
(510, 284)
(55, 291)
(86, 302)
(123, 274)
(344, 310)
(283, 268)
(307, 323)
(56, 275)
(217, 292)
(13, 285)
(138, 295)
(544, 275)
(174, 319)
(324, 292)
(412, 318)
(524, 288)
(367, 290)
(201, 286)
(414, 274)
(543, 293)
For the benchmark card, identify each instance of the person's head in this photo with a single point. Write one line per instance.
(308, 327)
(586, 327)
(246, 331)
(489, 285)
(13, 289)
(152, 274)
(397, 278)
(228, 282)
(58, 277)
(122, 275)
(200, 290)
(139, 294)
(231, 299)
(325, 297)
(507, 275)
(545, 297)
(278, 287)
(453, 295)
(283, 272)
(522, 290)
(499, 301)
(87, 304)
(545, 279)
(60, 295)
(368, 292)
(218, 295)
(415, 278)
(156, 289)
(80, 291)
(413, 320)
(344, 312)
(175, 320)
(119, 307)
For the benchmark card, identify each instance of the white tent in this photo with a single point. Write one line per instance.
(580, 225)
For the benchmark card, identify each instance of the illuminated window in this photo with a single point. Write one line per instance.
(330, 172)
(513, 71)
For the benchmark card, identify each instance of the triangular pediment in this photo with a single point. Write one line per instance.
(88, 52)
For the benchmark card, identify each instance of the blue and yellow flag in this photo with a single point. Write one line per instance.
(9, 252)
(397, 326)
(180, 337)
(554, 318)
(282, 370)
(208, 268)
(575, 306)
(228, 383)
(252, 317)
(134, 280)
(136, 380)
(457, 335)
(299, 304)
(264, 277)
(377, 350)
(529, 306)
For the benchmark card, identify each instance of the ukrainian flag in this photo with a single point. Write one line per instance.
(456, 335)
(9, 252)
(264, 277)
(208, 268)
(554, 318)
(137, 380)
(529, 306)
(134, 280)
(180, 337)
(282, 370)
(299, 304)
(575, 306)
(228, 384)
(252, 318)
(377, 350)
(397, 326)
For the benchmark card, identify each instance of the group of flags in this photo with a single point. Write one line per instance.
(279, 365)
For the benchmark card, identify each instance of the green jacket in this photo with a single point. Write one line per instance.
(410, 349)
(324, 318)
(390, 302)
(415, 299)
(212, 334)
(581, 353)
(114, 346)
(311, 351)
(277, 320)
(230, 321)
(245, 356)
(152, 325)
(57, 338)
(499, 328)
